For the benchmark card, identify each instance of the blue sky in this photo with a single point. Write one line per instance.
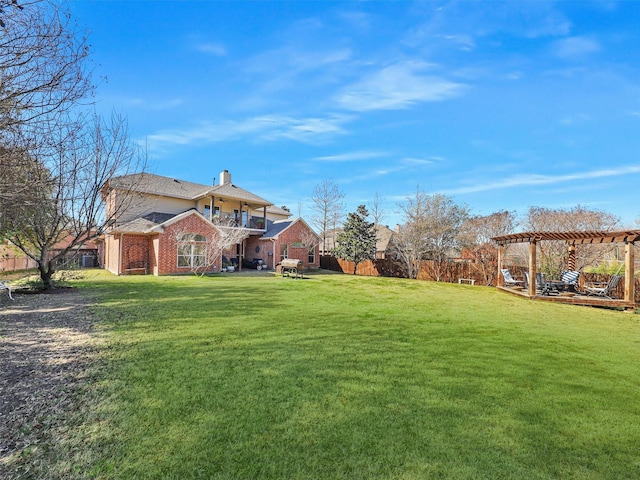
(498, 105)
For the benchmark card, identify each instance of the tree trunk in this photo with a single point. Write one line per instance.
(46, 272)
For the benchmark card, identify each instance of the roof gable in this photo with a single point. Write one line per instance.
(274, 229)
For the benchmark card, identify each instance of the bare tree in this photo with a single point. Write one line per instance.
(377, 211)
(553, 255)
(200, 253)
(430, 232)
(42, 65)
(475, 237)
(328, 207)
(70, 200)
(310, 240)
(42, 79)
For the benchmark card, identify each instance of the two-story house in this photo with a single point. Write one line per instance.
(165, 226)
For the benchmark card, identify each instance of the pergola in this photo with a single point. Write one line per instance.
(572, 239)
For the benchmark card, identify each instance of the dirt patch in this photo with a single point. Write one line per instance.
(47, 347)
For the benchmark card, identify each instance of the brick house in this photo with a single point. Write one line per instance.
(167, 226)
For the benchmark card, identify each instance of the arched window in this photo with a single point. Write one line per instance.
(192, 251)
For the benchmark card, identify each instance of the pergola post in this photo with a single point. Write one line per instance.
(500, 281)
(629, 278)
(532, 268)
(572, 257)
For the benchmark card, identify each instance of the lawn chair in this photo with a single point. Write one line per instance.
(540, 282)
(604, 290)
(5, 286)
(570, 280)
(509, 281)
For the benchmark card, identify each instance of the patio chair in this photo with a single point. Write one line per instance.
(570, 280)
(540, 282)
(606, 290)
(7, 287)
(509, 281)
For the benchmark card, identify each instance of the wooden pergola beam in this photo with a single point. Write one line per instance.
(573, 238)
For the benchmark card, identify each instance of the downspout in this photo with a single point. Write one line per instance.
(120, 255)
(273, 242)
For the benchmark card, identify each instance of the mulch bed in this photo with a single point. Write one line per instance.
(47, 348)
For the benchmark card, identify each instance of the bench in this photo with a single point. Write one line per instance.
(139, 268)
(5, 286)
(469, 281)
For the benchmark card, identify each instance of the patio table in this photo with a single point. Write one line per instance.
(553, 286)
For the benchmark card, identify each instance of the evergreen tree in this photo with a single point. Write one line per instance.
(357, 241)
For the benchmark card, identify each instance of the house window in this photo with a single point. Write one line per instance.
(284, 251)
(207, 212)
(192, 251)
(312, 255)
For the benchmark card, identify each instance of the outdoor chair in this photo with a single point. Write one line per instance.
(570, 280)
(604, 290)
(5, 286)
(509, 281)
(539, 281)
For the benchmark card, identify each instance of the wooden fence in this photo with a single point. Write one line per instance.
(12, 263)
(450, 272)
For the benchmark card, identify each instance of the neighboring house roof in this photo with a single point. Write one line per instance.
(383, 237)
(171, 187)
(66, 241)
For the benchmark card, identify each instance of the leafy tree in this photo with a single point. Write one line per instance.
(430, 232)
(357, 241)
(327, 205)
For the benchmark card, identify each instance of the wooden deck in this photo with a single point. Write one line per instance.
(577, 299)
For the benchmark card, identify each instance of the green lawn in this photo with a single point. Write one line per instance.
(342, 377)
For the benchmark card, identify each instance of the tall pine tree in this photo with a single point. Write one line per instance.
(357, 241)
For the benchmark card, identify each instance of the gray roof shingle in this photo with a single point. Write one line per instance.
(171, 187)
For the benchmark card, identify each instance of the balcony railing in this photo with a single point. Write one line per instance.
(229, 220)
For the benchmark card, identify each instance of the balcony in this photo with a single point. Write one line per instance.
(229, 220)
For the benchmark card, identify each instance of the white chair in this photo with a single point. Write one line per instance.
(7, 287)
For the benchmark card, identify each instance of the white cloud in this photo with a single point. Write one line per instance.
(397, 87)
(266, 127)
(351, 156)
(576, 46)
(536, 179)
(216, 49)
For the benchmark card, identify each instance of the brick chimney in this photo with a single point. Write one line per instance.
(225, 177)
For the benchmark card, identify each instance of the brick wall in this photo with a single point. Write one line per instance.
(294, 235)
(167, 245)
(135, 254)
